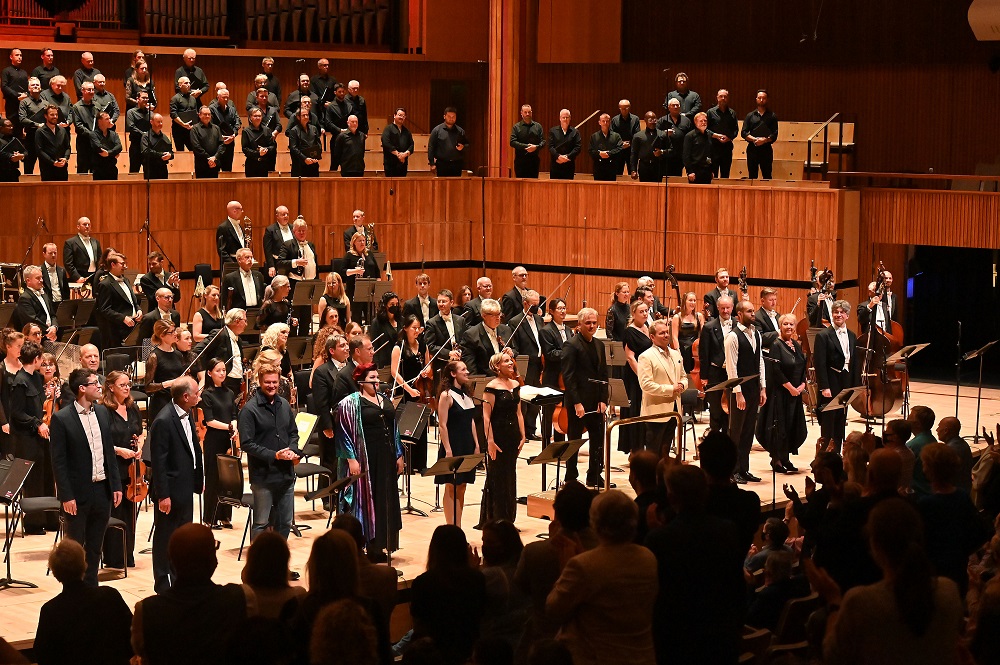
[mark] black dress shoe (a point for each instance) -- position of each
(751, 478)
(293, 575)
(778, 467)
(789, 467)
(34, 531)
(533, 437)
(739, 479)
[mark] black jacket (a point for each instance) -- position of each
(552, 348)
(234, 281)
(62, 278)
(175, 474)
(478, 350)
(150, 284)
(30, 310)
(586, 381)
(72, 461)
(412, 306)
(273, 240)
(291, 251)
(75, 257)
(265, 428)
(227, 243)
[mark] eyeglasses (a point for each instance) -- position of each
(123, 385)
(92, 383)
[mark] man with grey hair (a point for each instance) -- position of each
(226, 344)
(34, 305)
(585, 373)
(229, 234)
(626, 125)
(675, 125)
(276, 235)
(244, 287)
(565, 144)
(605, 146)
(86, 72)
(512, 302)
(182, 104)
(484, 290)
(195, 76)
(646, 282)
(837, 367)
(486, 339)
(358, 105)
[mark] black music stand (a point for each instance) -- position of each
(305, 296)
(10, 489)
(75, 313)
(364, 293)
(330, 490)
(842, 399)
(299, 351)
(904, 355)
(411, 422)
(557, 452)
(978, 353)
(453, 466)
(727, 384)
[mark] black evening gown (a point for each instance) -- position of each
(616, 320)
(273, 312)
(6, 440)
(500, 491)
(122, 431)
(383, 334)
(216, 404)
(359, 310)
(209, 323)
(687, 334)
(632, 437)
(459, 436)
(409, 368)
(380, 447)
(169, 365)
(781, 425)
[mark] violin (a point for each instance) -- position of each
(53, 391)
(137, 487)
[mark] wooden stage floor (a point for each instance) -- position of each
(19, 608)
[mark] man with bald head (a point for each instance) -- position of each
(85, 74)
(358, 224)
(605, 146)
(626, 125)
(565, 144)
(229, 236)
(712, 354)
(276, 235)
(182, 107)
(156, 149)
(162, 310)
(723, 128)
(348, 152)
(225, 117)
(484, 291)
(358, 105)
(81, 253)
(675, 125)
(194, 74)
(104, 100)
(949, 432)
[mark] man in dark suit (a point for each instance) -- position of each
(361, 353)
(358, 226)
(276, 235)
(164, 311)
(554, 336)
(445, 329)
(54, 274)
(512, 302)
(322, 404)
(721, 289)
(745, 358)
(712, 355)
(226, 344)
(299, 260)
(243, 288)
(484, 287)
(876, 310)
(178, 473)
(527, 327)
(836, 368)
(85, 467)
(158, 278)
(81, 253)
(117, 305)
(767, 316)
(421, 305)
(819, 302)
(486, 339)
(34, 306)
(585, 373)
(229, 235)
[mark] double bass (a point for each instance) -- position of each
(884, 384)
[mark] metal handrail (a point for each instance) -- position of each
(629, 421)
(825, 128)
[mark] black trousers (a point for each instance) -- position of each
(718, 420)
(40, 480)
(53, 173)
(88, 525)
(134, 155)
(702, 175)
(549, 433)
(216, 443)
(448, 168)
(762, 158)
(527, 166)
(594, 424)
(673, 165)
(620, 162)
(181, 137)
(30, 155)
(649, 171)
(743, 424)
(114, 557)
(105, 172)
(226, 161)
(832, 424)
(532, 377)
(604, 170)
(394, 168)
(84, 155)
(164, 525)
(304, 170)
(562, 171)
(660, 437)
(722, 160)
(203, 170)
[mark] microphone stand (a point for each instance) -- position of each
(958, 369)
(39, 225)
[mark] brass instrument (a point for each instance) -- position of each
(371, 242)
(247, 227)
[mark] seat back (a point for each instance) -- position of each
(230, 479)
(792, 624)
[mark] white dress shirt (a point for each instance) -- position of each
(492, 334)
(249, 288)
(286, 232)
(449, 323)
(128, 293)
(425, 307)
(88, 245)
(732, 343)
(40, 294)
(234, 348)
(845, 344)
(239, 231)
(94, 439)
(54, 281)
(186, 426)
(307, 254)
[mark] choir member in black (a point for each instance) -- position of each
(164, 365)
(184, 102)
(554, 335)
(31, 433)
(84, 115)
(56, 96)
(689, 100)
(445, 146)
(605, 146)
(320, 83)
(258, 146)
(11, 342)
(45, 71)
(348, 152)
(385, 330)
(271, 82)
(456, 411)
(675, 125)
(156, 149)
(648, 149)
(12, 152)
(294, 101)
(264, 101)
(368, 444)
(117, 305)
(636, 340)
(105, 148)
(616, 320)
(218, 407)
(585, 374)
(138, 82)
(276, 235)
(723, 128)
(208, 146)
(721, 289)
(31, 118)
(685, 328)
(698, 152)
(760, 131)
(767, 317)
(334, 117)
(712, 358)
(126, 435)
(275, 308)
(14, 82)
(86, 72)
(837, 367)
(225, 117)
(781, 425)
(527, 138)
(359, 106)
(137, 125)
(408, 363)
(397, 146)
(304, 146)
(745, 358)
(503, 423)
(104, 100)
(335, 297)
(209, 317)
(137, 55)
(359, 262)
(565, 144)
(626, 125)
(52, 147)
(526, 328)
(193, 73)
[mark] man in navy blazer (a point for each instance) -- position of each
(85, 467)
(178, 474)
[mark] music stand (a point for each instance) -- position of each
(978, 353)
(299, 351)
(305, 296)
(558, 452)
(521, 361)
(83, 335)
(411, 422)
(11, 486)
(133, 337)
(333, 488)
(842, 399)
(379, 260)
(453, 466)
(904, 355)
(726, 385)
(364, 293)
(6, 313)
(615, 352)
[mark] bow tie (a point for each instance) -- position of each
(182, 416)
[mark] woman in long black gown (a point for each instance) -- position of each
(504, 426)
(358, 262)
(164, 365)
(636, 340)
(126, 430)
(408, 358)
(781, 425)
(616, 319)
(685, 328)
(456, 411)
(218, 407)
(10, 343)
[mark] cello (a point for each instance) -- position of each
(883, 383)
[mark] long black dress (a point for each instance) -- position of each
(217, 403)
(460, 416)
(781, 425)
(500, 491)
(359, 311)
(382, 470)
(616, 320)
(409, 368)
(275, 311)
(687, 334)
(27, 395)
(383, 334)
(209, 323)
(169, 365)
(122, 430)
(632, 437)
(6, 377)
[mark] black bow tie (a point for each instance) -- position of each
(182, 416)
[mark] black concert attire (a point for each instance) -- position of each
(674, 162)
(512, 304)
(643, 159)
(273, 85)
(334, 118)
(348, 154)
(84, 117)
(6, 387)
(711, 300)
(209, 323)
(252, 140)
(604, 167)
(443, 152)
(30, 116)
(27, 396)
(136, 126)
(882, 313)
(626, 127)
(690, 102)
(229, 239)
(52, 145)
(761, 126)
(45, 74)
(359, 108)
(835, 371)
(438, 333)
(180, 103)
(275, 311)
(160, 367)
(122, 431)
(303, 140)
(178, 474)
(698, 156)
(295, 249)
(724, 123)
(206, 143)
(236, 289)
(568, 143)
(35, 307)
(227, 345)
(55, 275)
(132, 90)
(398, 139)
(781, 424)
(105, 102)
(553, 338)
(744, 357)
(585, 373)
(687, 333)
(523, 135)
(105, 168)
(616, 320)
(500, 488)
(322, 402)
(470, 311)
(818, 311)
(197, 77)
(383, 330)
(63, 101)
(151, 283)
(217, 403)
(527, 341)
(410, 365)
(10, 170)
(414, 306)
(113, 306)
(769, 328)
(712, 357)
(77, 259)
(150, 318)
(228, 122)
(320, 83)
(272, 100)
(633, 437)
(359, 311)
(154, 146)
(480, 346)
(81, 76)
(294, 101)
(13, 82)
(461, 416)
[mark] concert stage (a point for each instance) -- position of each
(19, 608)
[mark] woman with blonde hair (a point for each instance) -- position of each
(210, 317)
(358, 262)
(617, 317)
(685, 327)
(276, 338)
(335, 296)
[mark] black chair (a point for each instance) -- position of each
(119, 525)
(204, 271)
(231, 492)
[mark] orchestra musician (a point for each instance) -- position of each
(244, 288)
(163, 367)
(407, 360)
(767, 316)
(636, 340)
(421, 305)
(484, 289)
(819, 304)
(721, 289)
(712, 356)
(118, 309)
(321, 401)
(875, 309)
(229, 235)
(528, 343)
(446, 329)
(781, 424)
(487, 339)
(227, 344)
(209, 317)
(276, 235)
(745, 358)
(55, 280)
(81, 253)
(617, 318)
(30, 431)
(585, 373)
(158, 278)
(553, 336)
(126, 437)
(685, 329)
(837, 367)
(34, 306)
(503, 423)
(164, 311)
(456, 412)
(358, 262)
